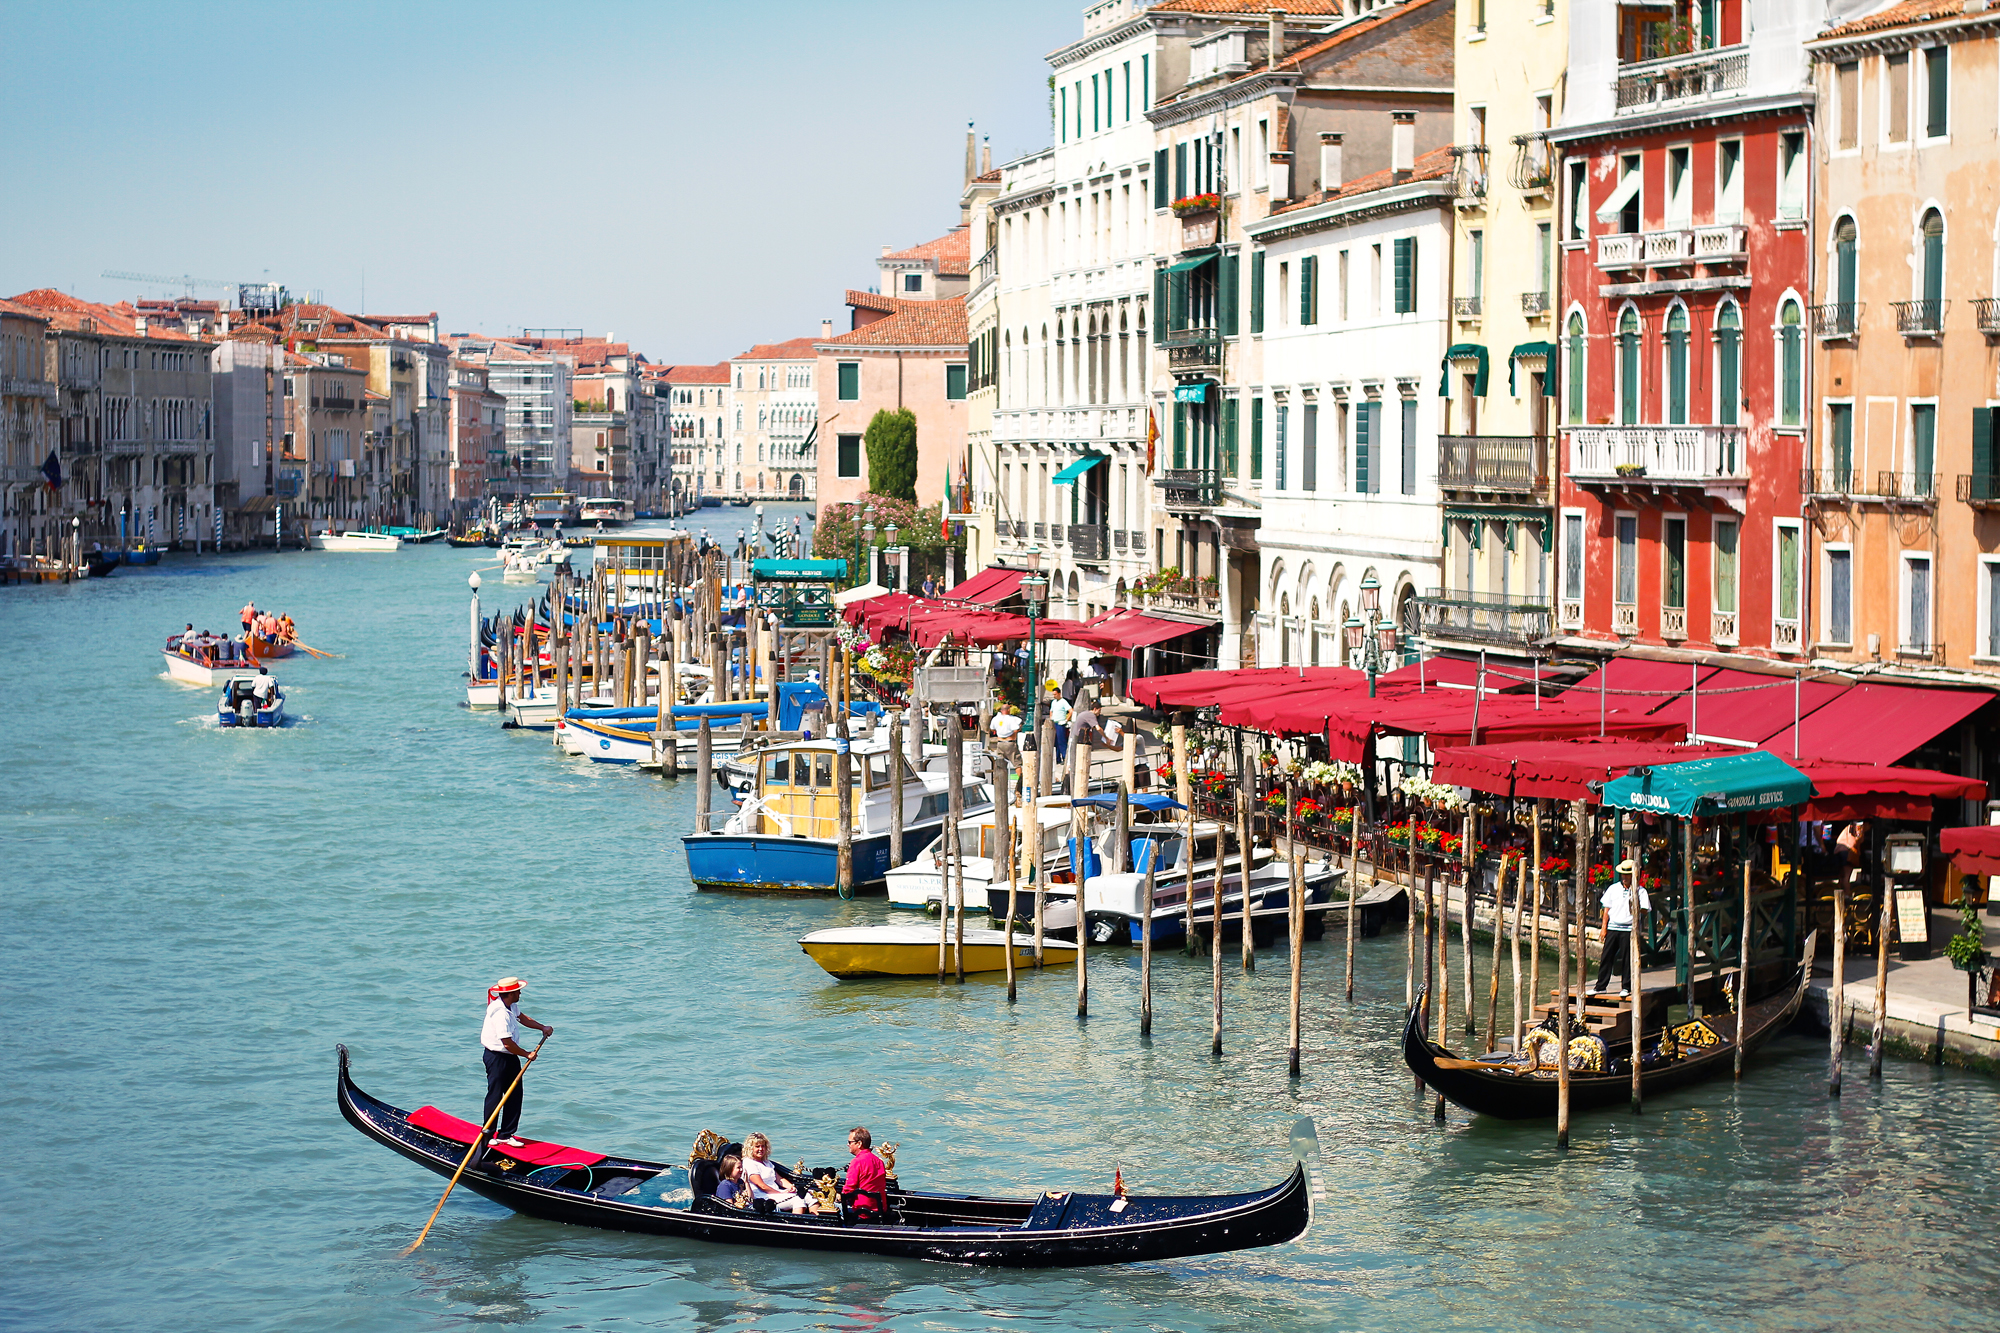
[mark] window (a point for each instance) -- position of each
(1160, 199)
(1409, 446)
(1723, 560)
(847, 455)
(1923, 449)
(1628, 367)
(1680, 186)
(1787, 607)
(1257, 438)
(1840, 446)
(913, 282)
(1839, 627)
(1477, 242)
(1180, 171)
(1572, 545)
(1792, 174)
(1917, 603)
(1847, 93)
(1991, 607)
(1626, 581)
(1677, 365)
(1544, 260)
(850, 382)
(1931, 261)
(1845, 276)
(1673, 568)
(1406, 274)
(1573, 373)
(1367, 478)
(1579, 200)
(1094, 126)
(1284, 415)
(1728, 363)
(1631, 186)
(954, 382)
(1309, 447)
(1791, 367)
(1729, 181)
(1896, 85)
(1257, 291)
(1937, 92)
(1309, 289)
(1340, 286)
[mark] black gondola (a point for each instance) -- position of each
(1498, 1086)
(1053, 1230)
(100, 564)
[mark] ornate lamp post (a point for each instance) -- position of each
(1376, 639)
(1034, 592)
(864, 536)
(894, 555)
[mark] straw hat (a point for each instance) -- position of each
(506, 984)
(1628, 866)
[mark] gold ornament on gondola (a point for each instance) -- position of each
(1586, 1054)
(887, 1152)
(707, 1145)
(826, 1193)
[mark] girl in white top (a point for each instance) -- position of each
(762, 1174)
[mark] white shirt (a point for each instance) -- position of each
(1618, 902)
(262, 687)
(503, 1024)
(1005, 725)
(763, 1178)
(1059, 711)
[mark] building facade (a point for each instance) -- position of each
(773, 409)
(904, 355)
(698, 398)
(27, 395)
(249, 424)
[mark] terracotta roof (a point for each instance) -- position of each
(1248, 10)
(952, 252)
(915, 324)
(715, 374)
(1348, 32)
(992, 175)
(1434, 165)
(251, 333)
(26, 312)
(1899, 15)
(793, 349)
(870, 301)
(68, 312)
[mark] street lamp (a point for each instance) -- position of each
(895, 557)
(1034, 592)
(1375, 640)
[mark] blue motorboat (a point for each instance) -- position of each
(251, 701)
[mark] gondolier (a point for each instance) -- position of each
(503, 1054)
(1615, 922)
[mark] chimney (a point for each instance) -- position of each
(610, 337)
(1274, 39)
(1281, 176)
(971, 154)
(1329, 161)
(885, 252)
(1402, 143)
(985, 154)
(826, 328)
(139, 325)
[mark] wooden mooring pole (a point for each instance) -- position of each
(895, 788)
(1215, 933)
(1003, 849)
(1243, 858)
(1353, 889)
(1742, 967)
(1836, 991)
(1468, 861)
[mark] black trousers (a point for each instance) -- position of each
(501, 1067)
(1614, 965)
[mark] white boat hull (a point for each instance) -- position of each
(483, 698)
(354, 541)
(189, 672)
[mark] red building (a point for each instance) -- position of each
(1685, 262)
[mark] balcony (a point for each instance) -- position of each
(1912, 487)
(1727, 243)
(1986, 314)
(1981, 490)
(1090, 541)
(1468, 179)
(987, 269)
(1189, 488)
(1625, 618)
(1530, 173)
(1673, 622)
(1191, 349)
(1650, 84)
(1622, 249)
(1534, 304)
(1831, 323)
(1465, 307)
(1484, 618)
(1919, 319)
(1659, 455)
(1668, 249)
(1518, 464)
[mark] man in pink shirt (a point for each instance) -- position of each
(866, 1187)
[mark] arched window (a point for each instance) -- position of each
(1728, 363)
(1791, 364)
(1844, 275)
(1575, 368)
(1677, 365)
(1933, 265)
(1628, 367)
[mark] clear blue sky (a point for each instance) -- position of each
(692, 178)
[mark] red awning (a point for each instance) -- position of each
(989, 586)
(1557, 770)
(877, 610)
(1202, 689)
(1975, 850)
(1122, 631)
(1287, 707)
(1873, 791)
(1456, 672)
(1745, 708)
(1445, 718)
(1875, 723)
(966, 626)
(1638, 684)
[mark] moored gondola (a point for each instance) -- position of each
(1513, 1087)
(1055, 1229)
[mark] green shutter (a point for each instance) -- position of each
(1406, 274)
(1840, 423)
(1160, 199)
(1983, 461)
(1937, 73)
(954, 382)
(1226, 297)
(1934, 261)
(1308, 301)
(1363, 444)
(1177, 300)
(1229, 437)
(1159, 299)
(850, 381)
(1180, 171)
(1180, 433)
(1257, 291)
(1257, 439)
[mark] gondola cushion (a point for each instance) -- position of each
(433, 1121)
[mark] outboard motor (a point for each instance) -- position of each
(246, 713)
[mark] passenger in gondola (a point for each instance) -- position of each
(765, 1182)
(866, 1189)
(730, 1187)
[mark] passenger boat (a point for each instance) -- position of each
(612, 513)
(239, 708)
(783, 837)
(1049, 1229)
(354, 541)
(1521, 1085)
(471, 537)
(205, 661)
(856, 952)
(266, 648)
(625, 735)
(139, 555)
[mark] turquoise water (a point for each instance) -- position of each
(193, 917)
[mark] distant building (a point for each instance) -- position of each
(537, 387)
(901, 354)
(933, 271)
(774, 409)
(698, 397)
(249, 424)
(27, 397)
(321, 460)
(478, 434)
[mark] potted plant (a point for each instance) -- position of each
(1631, 469)
(1197, 203)
(1966, 949)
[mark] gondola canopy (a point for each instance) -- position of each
(1722, 785)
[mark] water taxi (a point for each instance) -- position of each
(918, 884)
(239, 706)
(205, 659)
(612, 513)
(783, 839)
(354, 541)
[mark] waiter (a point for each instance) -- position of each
(501, 1037)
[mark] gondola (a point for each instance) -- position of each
(1055, 1229)
(1499, 1086)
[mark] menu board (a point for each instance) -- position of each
(1913, 923)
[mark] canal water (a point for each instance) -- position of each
(193, 917)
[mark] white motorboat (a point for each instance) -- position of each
(354, 541)
(206, 659)
(240, 706)
(919, 883)
(854, 952)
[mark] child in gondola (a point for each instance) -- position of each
(731, 1187)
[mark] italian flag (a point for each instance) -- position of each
(946, 512)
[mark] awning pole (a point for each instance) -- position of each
(1603, 680)
(1795, 712)
(1694, 702)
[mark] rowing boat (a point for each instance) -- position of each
(1052, 1229)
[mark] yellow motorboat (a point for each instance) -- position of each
(853, 952)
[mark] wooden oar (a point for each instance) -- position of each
(484, 1130)
(314, 651)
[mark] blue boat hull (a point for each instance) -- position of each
(766, 863)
